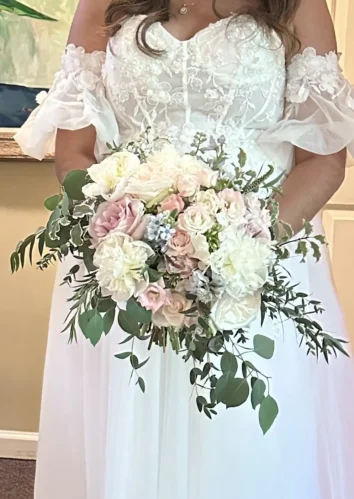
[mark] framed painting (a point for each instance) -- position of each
(33, 36)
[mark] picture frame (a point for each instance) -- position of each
(11, 151)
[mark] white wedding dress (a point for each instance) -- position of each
(101, 438)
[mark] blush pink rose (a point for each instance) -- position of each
(170, 314)
(125, 215)
(182, 265)
(173, 202)
(179, 244)
(155, 297)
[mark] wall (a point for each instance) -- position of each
(24, 297)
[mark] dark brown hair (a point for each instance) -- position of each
(269, 14)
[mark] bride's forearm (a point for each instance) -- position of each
(308, 188)
(74, 151)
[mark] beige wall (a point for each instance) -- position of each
(24, 297)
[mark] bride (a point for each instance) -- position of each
(265, 74)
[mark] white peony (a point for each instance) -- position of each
(120, 260)
(242, 262)
(111, 175)
(229, 314)
(210, 200)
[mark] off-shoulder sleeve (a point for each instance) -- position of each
(76, 100)
(319, 106)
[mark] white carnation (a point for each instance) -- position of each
(120, 260)
(229, 314)
(112, 174)
(242, 262)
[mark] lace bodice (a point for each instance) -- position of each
(227, 84)
(230, 79)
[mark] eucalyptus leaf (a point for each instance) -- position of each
(52, 202)
(105, 304)
(228, 363)
(258, 391)
(128, 323)
(268, 412)
(141, 384)
(138, 312)
(123, 355)
(154, 275)
(134, 361)
(73, 184)
(263, 346)
(108, 320)
(91, 324)
(237, 392)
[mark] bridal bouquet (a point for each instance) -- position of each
(183, 250)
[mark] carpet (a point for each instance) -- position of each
(16, 479)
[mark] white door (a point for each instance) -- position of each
(338, 215)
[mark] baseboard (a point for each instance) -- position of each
(18, 445)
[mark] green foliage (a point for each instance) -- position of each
(263, 346)
(73, 184)
(268, 412)
(20, 9)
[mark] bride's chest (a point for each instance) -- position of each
(238, 71)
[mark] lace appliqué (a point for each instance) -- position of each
(309, 72)
(82, 67)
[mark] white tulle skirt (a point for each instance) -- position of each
(101, 438)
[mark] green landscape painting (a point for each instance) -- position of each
(33, 35)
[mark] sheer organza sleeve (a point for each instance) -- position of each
(319, 106)
(76, 100)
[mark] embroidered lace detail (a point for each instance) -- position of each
(309, 72)
(85, 68)
(228, 76)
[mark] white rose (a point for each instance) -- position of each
(200, 248)
(149, 180)
(196, 219)
(112, 174)
(242, 262)
(229, 314)
(209, 199)
(120, 260)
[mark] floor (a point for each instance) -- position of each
(16, 479)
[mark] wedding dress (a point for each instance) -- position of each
(101, 438)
